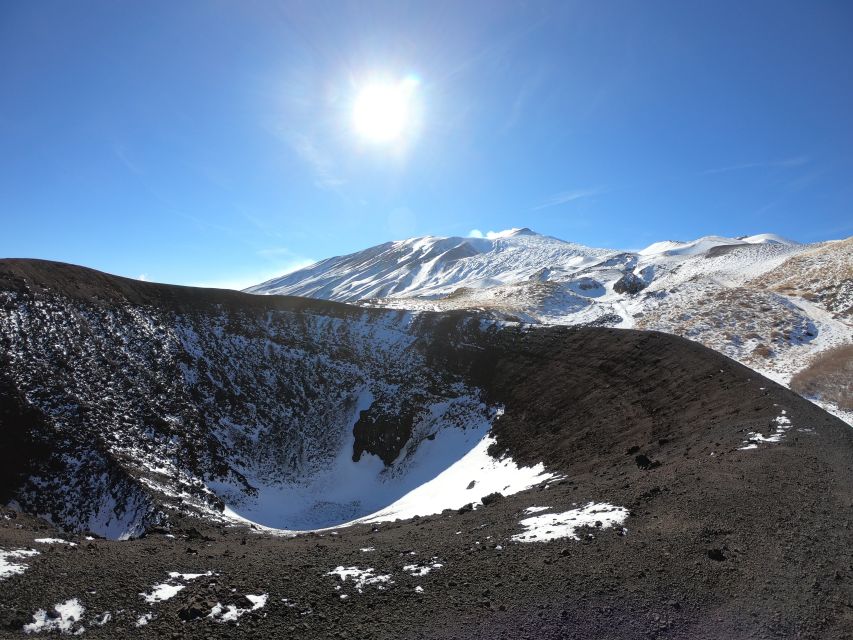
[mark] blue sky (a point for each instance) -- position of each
(212, 142)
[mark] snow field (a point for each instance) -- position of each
(554, 526)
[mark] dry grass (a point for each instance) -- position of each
(823, 276)
(762, 351)
(828, 377)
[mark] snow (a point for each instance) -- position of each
(188, 576)
(429, 480)
(432, 266)
(701, 245)
(361, 578)
(162, 592)
(10, 568)
(168, 590)
(367, 549)
(104, 618)
(554, 526)
(419, 570)
(419, 589)
(769, 238)
(55, 541)
(144, 619)
(534, 509)
(230, 613)
(449, 489)
(69, 613)
(783, 424)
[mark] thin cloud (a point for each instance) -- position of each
(276, 252)
(797, 161)
(489, 235)
(522, 99)
(143, 277)
(320, 162)
(123, 156)
(495, 50)
(565, 197)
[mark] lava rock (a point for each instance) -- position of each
(716, 555)
(491, 498)
(644, 462)
(629, 283)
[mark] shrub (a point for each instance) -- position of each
(828, 377)
(762, 350)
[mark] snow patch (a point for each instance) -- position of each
(144, 619)
(162, 592)
(448, 490)
(68, 614)
(174, 575)
(103, 619)
(55, 541)
(10, 568)
(361, 578)
(230, 613)
(783, 424)
(419, 570)
(554, 526)
(535, 509)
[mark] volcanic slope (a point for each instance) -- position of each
(769, 303)
(680, 494)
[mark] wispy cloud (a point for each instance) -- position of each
(491, 235)
(495, 50)
(143, 277)
(522, 99)
(797, 161)
(123, 155)
(276, 252)
(321, 163)
(565, 197)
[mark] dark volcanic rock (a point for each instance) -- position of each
(716, 554)
(629, 283)
(644, 462)
(491, 498)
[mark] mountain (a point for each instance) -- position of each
(162, 446)
(726, 293)
(432, 266)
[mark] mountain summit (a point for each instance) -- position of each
(433, 266)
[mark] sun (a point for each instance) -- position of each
(384, 112)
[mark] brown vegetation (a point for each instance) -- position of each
(829, 377)
(762, 351)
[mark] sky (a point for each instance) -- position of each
(217, 143)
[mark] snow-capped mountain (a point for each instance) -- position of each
(726, 293)
(434, 266)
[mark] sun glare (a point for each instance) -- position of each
(383, 111)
